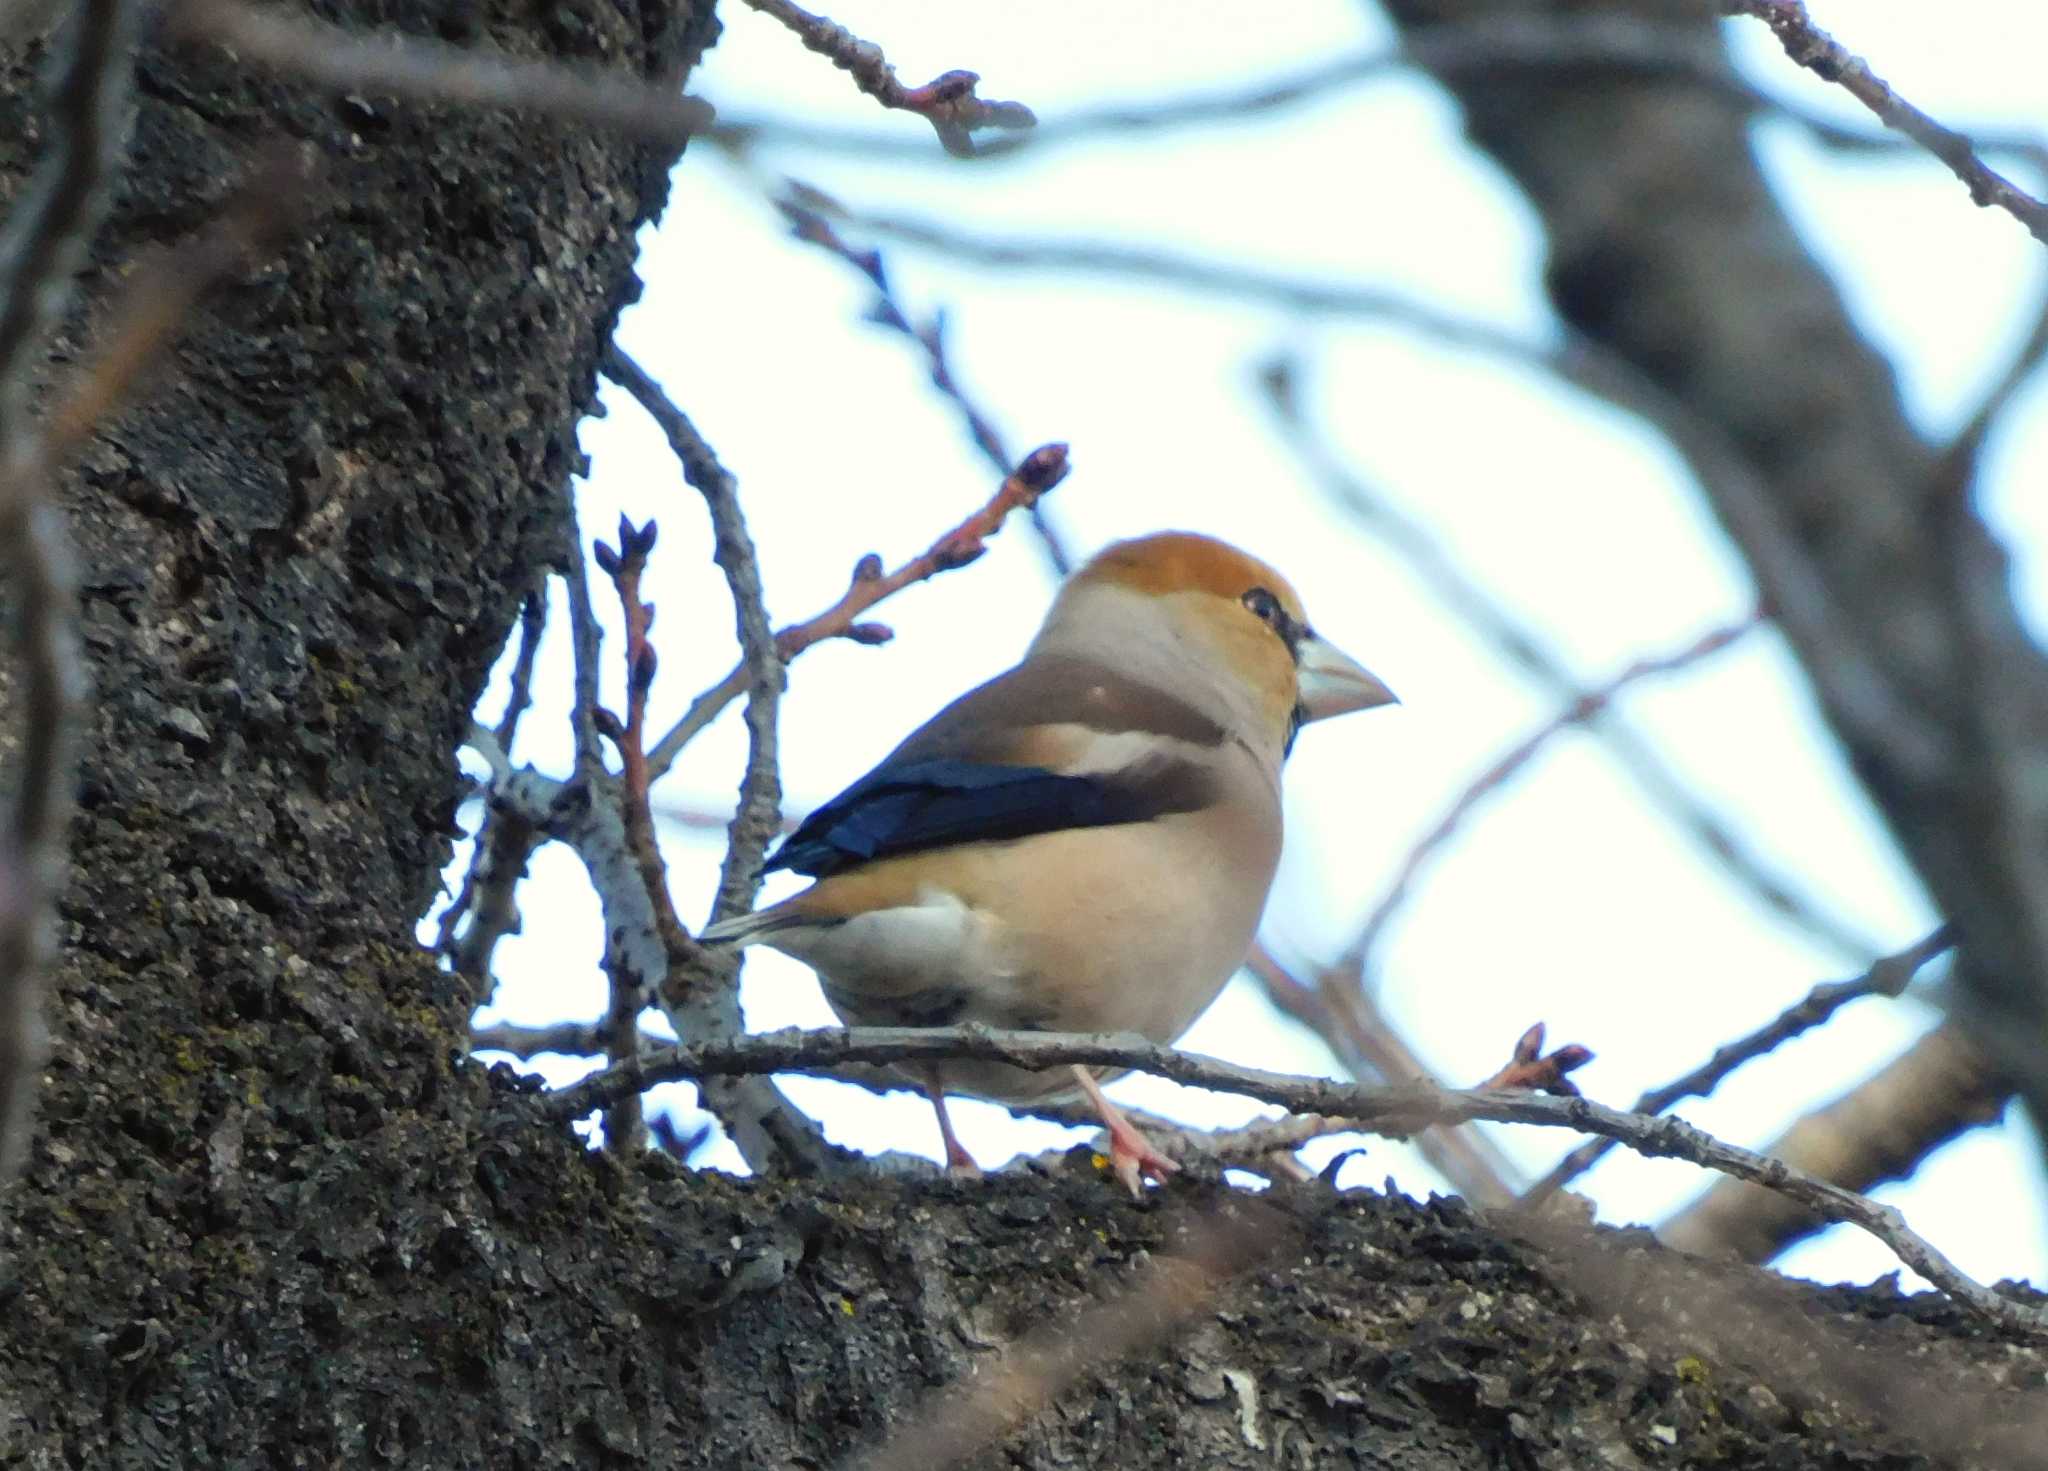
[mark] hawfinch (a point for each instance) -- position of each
(1083, 844)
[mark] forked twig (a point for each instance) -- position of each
(1037, 473)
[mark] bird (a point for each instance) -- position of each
(1083, 843)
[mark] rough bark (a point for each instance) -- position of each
(273, 1217)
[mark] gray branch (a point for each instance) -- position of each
(1393, 1110)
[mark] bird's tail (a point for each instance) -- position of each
(746, 929)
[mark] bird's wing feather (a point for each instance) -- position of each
(1053, 744)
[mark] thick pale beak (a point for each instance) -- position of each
(1333, 683)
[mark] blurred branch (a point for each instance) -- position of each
(1957, 469)
(888, 311)
(1675, 1309)
(1493, 46)
(1178, 1280)
(416, 69)
(570, 1039)
(1850, 677)
(1347, 1019)
(1521, 647)
(1882, 1129)
(42, 246)
(1583, 708)
(1037, 473)
(1887, 583)
(947, 101)
(1396, 1110)
(1824, 56)
(1889, 977)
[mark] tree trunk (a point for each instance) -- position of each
(273, 1217)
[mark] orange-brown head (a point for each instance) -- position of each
(1181, 605)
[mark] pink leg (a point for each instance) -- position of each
(1131, 1154)
(957, 1157)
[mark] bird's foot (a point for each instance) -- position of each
(1134, 1158)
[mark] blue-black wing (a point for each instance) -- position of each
(944, 786)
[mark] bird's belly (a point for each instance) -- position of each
(1098, 930)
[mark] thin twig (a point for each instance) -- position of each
(700, 992)
(633, 986)
(1882, 1129)
(1523, 648)
(489, 896)
(533, 617)
(505, 840)
(889, 312)
(1394, 1110)
(584, 637)
(1957, 467)
(1849, 677)
(571, 1039)
(758, 818)
(420, 70)
(1889, 977)
(1499, 46)
(1824, 56)
(1347, 1018)
(947, 101)
(42, 246)
(1582, 709)
(1036, 474)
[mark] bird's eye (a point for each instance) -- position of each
(1265, 607)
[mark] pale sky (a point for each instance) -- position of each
(1567, 900)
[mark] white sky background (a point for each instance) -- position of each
(1566, 900)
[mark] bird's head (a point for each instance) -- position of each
(1212, 623)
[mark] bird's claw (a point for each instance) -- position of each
(1133, 1159)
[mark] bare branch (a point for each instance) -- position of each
(633, 986)
(888, 311)
(1583, 708)
(758, 819)
(1889, 977)
(947, 101)
(42, 246)
(1523, 648)
(699, 989)
(1396, 1110)
(533, 616)
(1850, 676)
(1879, 1130)
(1036, 474)
(571, 1039)
(700, 994)
(489, 896)
(1958, 464)
(421, 70)
(1497, 47)
(1349, 1022)
(1824, 56)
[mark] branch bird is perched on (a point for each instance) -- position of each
(1083, 844)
